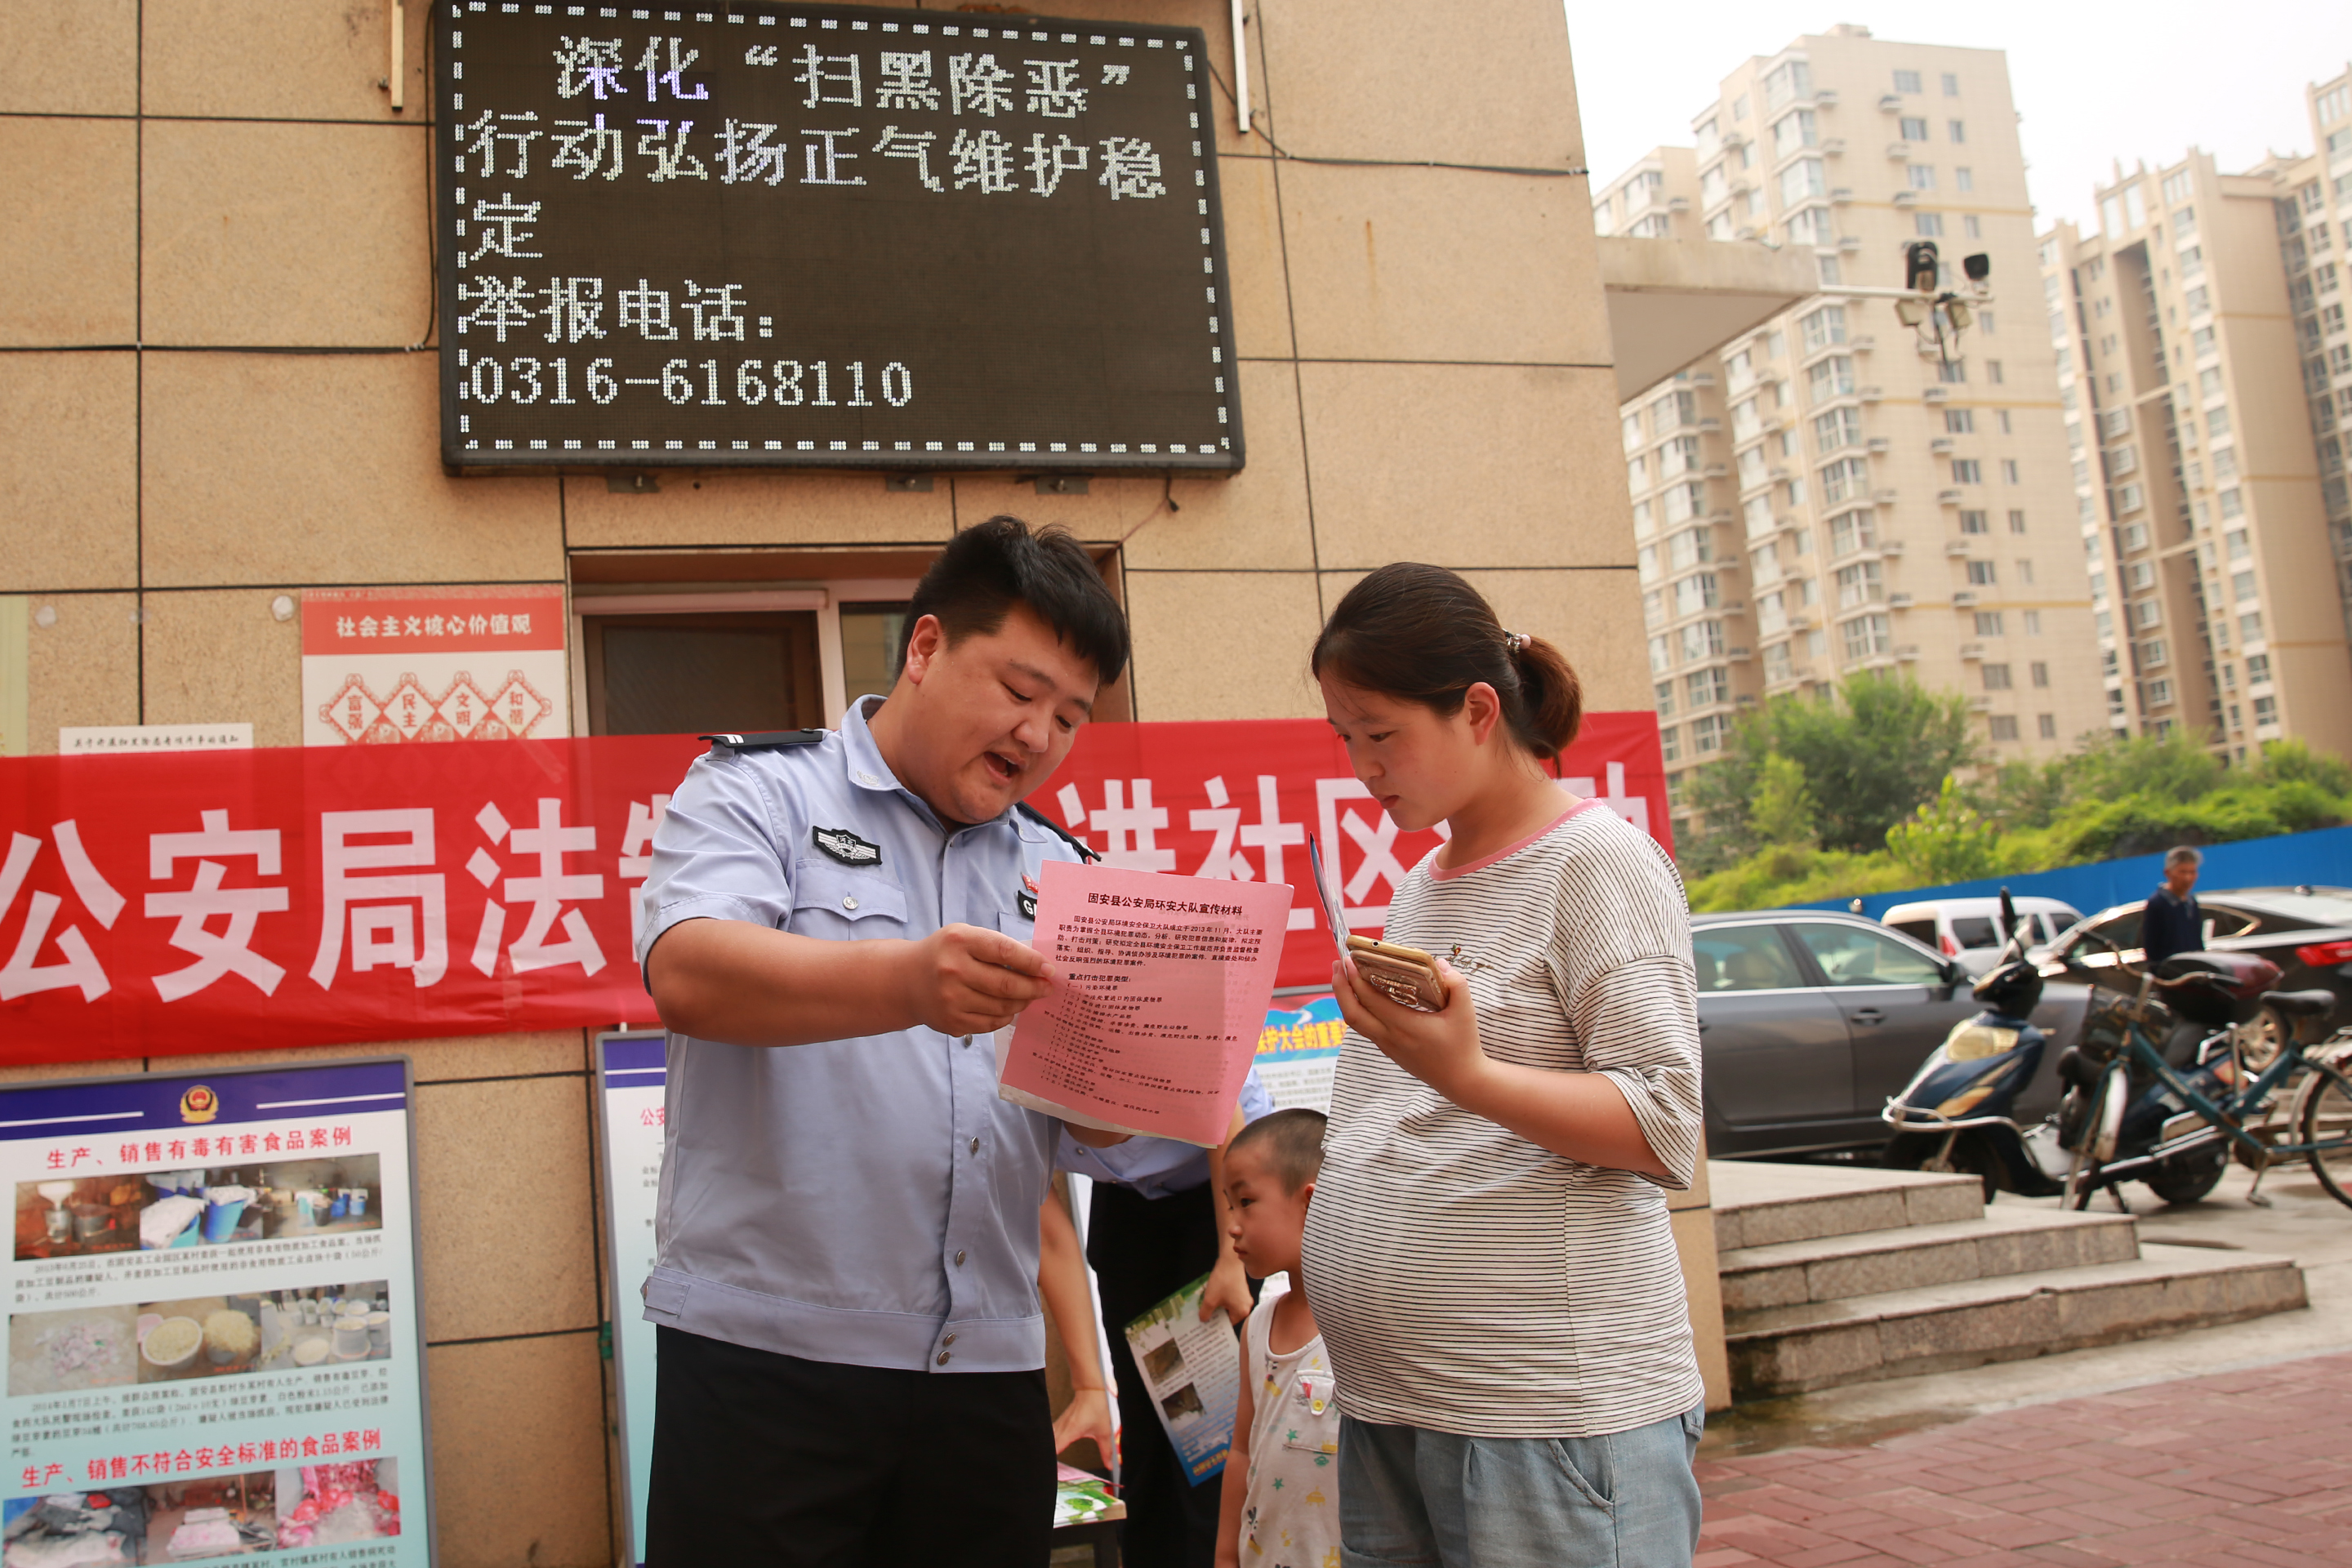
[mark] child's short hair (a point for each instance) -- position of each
(1293, 1144)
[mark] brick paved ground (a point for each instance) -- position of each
(2250, 1469)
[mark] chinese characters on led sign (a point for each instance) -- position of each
(828, 236)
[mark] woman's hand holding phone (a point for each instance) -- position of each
(1441, 1048)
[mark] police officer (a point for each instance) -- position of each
(851, 1350)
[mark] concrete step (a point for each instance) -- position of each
(1761, 1204)
(1913, 1256)
(2011, 1317)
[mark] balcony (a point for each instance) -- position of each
(1906, 198)
(1941, 445)
(1965, 599)
(1936, 394)
(1890, 103)
(1948, 498)
(1825, 98)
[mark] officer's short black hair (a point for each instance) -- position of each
(986, 570)
(1289, 1141)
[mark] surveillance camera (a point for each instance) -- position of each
(1919, 266)
(1978, 267)
(1910, 312)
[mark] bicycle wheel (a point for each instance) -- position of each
(2327, 1116)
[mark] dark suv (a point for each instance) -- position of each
(1810, 1021)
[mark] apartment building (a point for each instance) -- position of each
(1829, 493)
(2206, 371)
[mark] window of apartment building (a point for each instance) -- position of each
(2000, 726)
(1771, 612)
(1859, 583)
(1695, 593)
(2184, 224)
(1839, 428)
(1794, 494)
(1801, 180)
(1750, 466)
(2209, 382)
(1960, 131)
(1983, 574)
(1866, 636)
(1663, 693)
(2046, 726)
(1825, 266)
(1702, 639)
(1708, 734)
(2135, 206)
(1833, 377)
(1959, 421)
(1913, 129)
(1906, 81)
(1928, 225)
(1811, 225)
(1645, 562)
(1720, 227)
(1684, 501)
(1965, 179)
(1644, 518)
(2225, 464)
(2200, 342)
(2009, 471)
(2038, 673)
(1823, 328)
(2217, 423)
(1738, 369)
(2156, 694)
(1988, 623)
(2025, 572)
(1765, 563)
(2324, 277)
(2192, 261)
(2175, 186)
(1674, 411)
(657, 673)
(1973, 522)
(2331, 318)
(2241, 587)
(1707, 687)
(2249, 628)
(1757, 511)
(1970, 226)
(1661, 655)
(1921, 176)
(1739, 107)
(1951, 85)
(2334, 105)
(1642, 189)
(1993, 371)
(1631, 427)
(2235, 541)
(1792, 131)
(2034, 623)
(1690, 547)
(1851, 531)
(2134, 537)
(2139, 576)
(1996, 677)
(2016, 520)
(1952, 372)
(1966, 471)
(2258, 668)
(2153, 654)
(1846, 477)
(1670, 747)
(1654, 607)
(2265, 710)
(1990, 328)
(1679, 455)
(2200, 300)
(2233, 502)
(1786, 82)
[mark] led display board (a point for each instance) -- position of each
(828, 236)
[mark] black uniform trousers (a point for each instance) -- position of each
(1142, 1249)
(771, 1459)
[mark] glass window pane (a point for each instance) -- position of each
(693, 674)
(873, 646)
(1743, 958)
(1852, 955)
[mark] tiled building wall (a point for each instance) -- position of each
(218, 276)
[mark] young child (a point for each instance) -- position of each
(1280, 1505)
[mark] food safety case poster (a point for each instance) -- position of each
(632, 1073)
(215, 1346)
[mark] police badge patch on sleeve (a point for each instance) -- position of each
(1028, 902)
(846, 847)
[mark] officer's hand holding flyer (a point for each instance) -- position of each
(1164, 987)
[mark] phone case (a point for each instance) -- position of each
(1406, 983)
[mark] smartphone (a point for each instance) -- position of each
(1405, 975)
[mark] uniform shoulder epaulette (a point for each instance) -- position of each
(1086, 851)
(766, 740)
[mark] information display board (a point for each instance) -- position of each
(216, 1347)
(632, 1073)
(828, 236)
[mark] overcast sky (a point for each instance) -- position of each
(2096, 82)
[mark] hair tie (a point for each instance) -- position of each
(1516, 642)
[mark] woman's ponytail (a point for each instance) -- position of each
(1551, 706)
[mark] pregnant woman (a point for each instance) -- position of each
(1489, 1247)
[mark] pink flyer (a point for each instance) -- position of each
(1165, 986)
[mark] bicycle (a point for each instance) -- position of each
(2121, 1047)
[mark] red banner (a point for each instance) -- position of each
(239, 900)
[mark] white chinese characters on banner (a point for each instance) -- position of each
(77, 967)
(388, 665)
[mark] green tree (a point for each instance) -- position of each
(1781, 810)
(1945, 840)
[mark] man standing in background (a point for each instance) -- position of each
(2173, 924)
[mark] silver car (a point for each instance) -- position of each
(1810, 1020)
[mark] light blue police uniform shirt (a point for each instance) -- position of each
(867, 1200)
(1155, 1167)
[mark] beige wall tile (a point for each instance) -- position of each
(1211, 645)
(69, 56)
(325, 469)
(1594, 616)
(1255, 519)
(69, 483)
(284, 235)
(39, 1072)
(84, 667)
(1437, 264)
(1255, 259)
(519, 1454)
(323, 61)
(68, 249)
(503, 1208)
(431, 1061)
(222, 657)
(1465, 465)
(1388, 82)
(719, 509)
(1694, 1242)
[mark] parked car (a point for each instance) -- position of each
(1968, 929)
(2305, 931)
(1809, 1021)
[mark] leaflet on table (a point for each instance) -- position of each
(632, 1070)
(1193, 1370)
(1164, 986)
(213, 1335)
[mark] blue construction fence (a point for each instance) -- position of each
(2290, 859)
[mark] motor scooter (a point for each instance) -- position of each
(1956, 1113)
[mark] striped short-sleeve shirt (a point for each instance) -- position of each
(1470, 1281)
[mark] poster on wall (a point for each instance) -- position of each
(631, 1071)
(216, 1347)
(1298, 1051)
(383, 666)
